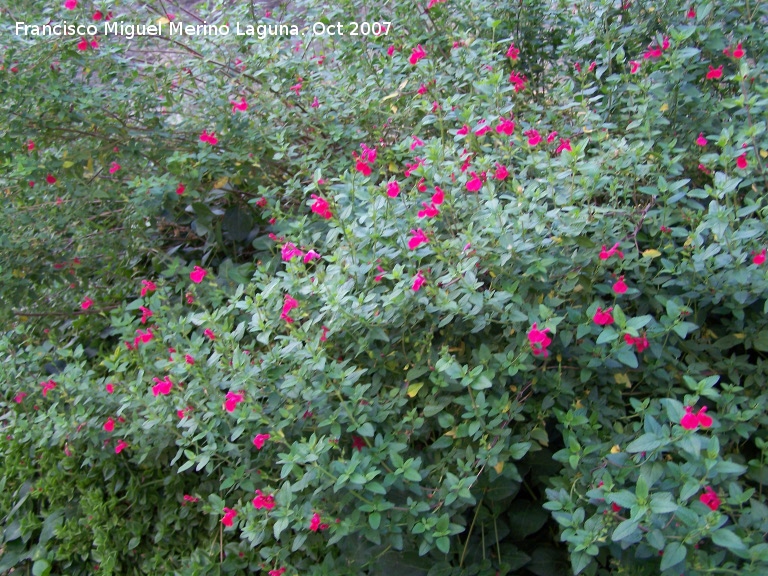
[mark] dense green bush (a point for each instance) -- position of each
(484, 294)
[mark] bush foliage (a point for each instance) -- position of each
(483, 294)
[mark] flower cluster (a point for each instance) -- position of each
(539, 340)
(691, 421)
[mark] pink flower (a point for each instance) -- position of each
(82, 45)
(738, 52)
(87, 303)
(481, 128)
(180, 189)
(145, 314)
(70, 4)
(288, 305)
(296, 88)
(741, 161)
(501, 172)
(19, 397)
(229, 515)
(363, 168)
(704, 169)
(109, 425)
(315, 523)
(418, 281)
(438, 196)
(634, 66)
(619, 286)
(641, 342)
(320, 207)
(242, 106)
(463, 131)
(518, 80)
(605, 254)
(122, 445)
(391, 50)
(551, 137)
(189, 359)
(311, 255)
(188, 498)
(577, 66)
(289, 251)
(759, 258)
(278, 572)
(262, 501)
(704, 420)
(701, 141)
(715, 73)
(209, 138)
(652, 52)
(393, 189)
(197, 275)
(259, 440)
(505, 127)
(380, 276)
(30, 145)
(565, 144)
(114, 167)
(233, 399)
(110, 388)
(324, 335)
(162, 386)
(147, 286)
(209, 334)
(603, 317)
(142, 337)
(417, 54)
(533, 137)
(710, 499)
(691, 13)
(592, 66)
(691, 421)
(98, 15)
(417, 142)
(417, 239)
(315, 103)
(50, 179)
(430, 211)
(539, 340)
(420, 186)
(512, 52)
(475, 183)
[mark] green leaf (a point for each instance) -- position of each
(579, 561)
(674, 554)
(728, 540)
(237, 223)
(443, 544)
(41, 568)
(627, 357)
(641, 489)
(134, 542)
(607, 335)
(662, 503)
(374, 520)
(645, 443)
(625, 529)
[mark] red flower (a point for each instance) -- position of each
(741, 161)
(652, 52)
(87, 303)
(114, 167)
(19, 397)
(619, 286)
(605, 254)
(320, 207)
(551, 137)
(710, 499)
(315, 523)
(691, 13)
(518, 81)
(759, 258)
(417, 142)
(233, 399)
(418, 282)
(363, 168)
(501, 172)
(463, 131)
(634, 66)
(715, 73)
(278, 572)
(315, 103)
(296, 88)
(162, 386)
(420, 186)
(505, 127)
(417, 54)
(188, 498)
(324, 335)
(229, 515)
(475, 183)
(110, 388)
(109, 425)
(393, 189)
(189, 359)
(430, 211)
(539, 340)
(615, 507)
(122, 445)
(603, 317)
(197, 274)
(380, 276)
(565, 144)
(147, 286)
(704, 420)
(701, 141)
(512, 52)
(98, 15)
(438, 196)
(359, 443)
(145, 314)
(209, 334)
(180, 189)
(70, 4)
(259, 440)
(30, 145)
(242, 106)
(482, 128)
(288, 304)
(417, 239)
(262, 501)
(391, 50)
(209, 138)
(533, 137)
(50, 179)
(738, 52)
(311, 255)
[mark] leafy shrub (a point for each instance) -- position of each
(429, 300)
